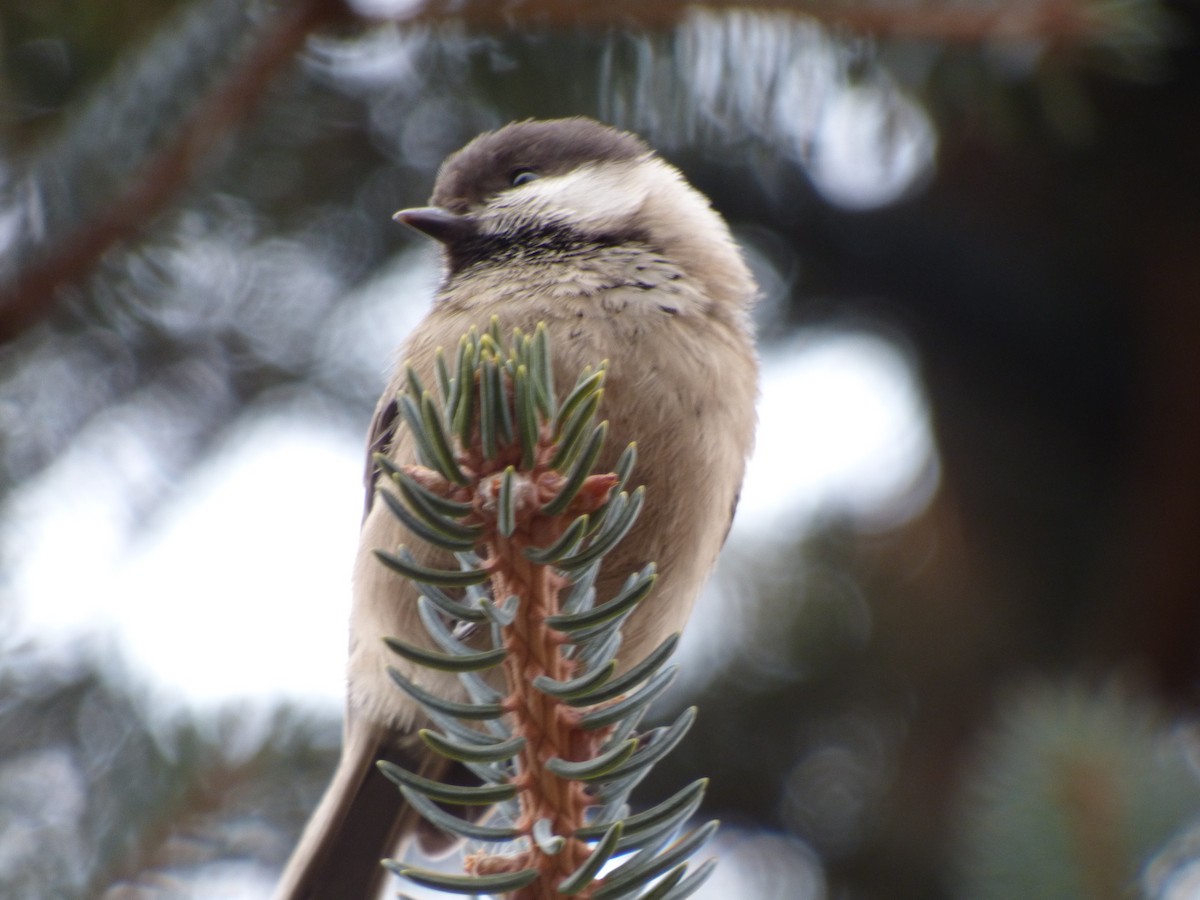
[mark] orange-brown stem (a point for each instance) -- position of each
(550, 727)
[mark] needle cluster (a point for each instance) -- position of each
(506, 484)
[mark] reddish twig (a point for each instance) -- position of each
(550, 726)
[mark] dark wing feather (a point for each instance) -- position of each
(379, 440)
(732, 512)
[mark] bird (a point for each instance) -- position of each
(583, 227)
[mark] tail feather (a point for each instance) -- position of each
(361, 819)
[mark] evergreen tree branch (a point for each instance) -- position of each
(563, 752)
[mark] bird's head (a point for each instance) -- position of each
(559, 185)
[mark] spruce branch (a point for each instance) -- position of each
(506, 483)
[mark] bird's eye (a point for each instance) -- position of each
(522, 176)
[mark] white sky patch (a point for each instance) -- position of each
(245, 588)
(873, 146)
(386, 8)
(763, 865)
(240, 590)
(843, 426)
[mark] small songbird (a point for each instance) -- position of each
(583, 227)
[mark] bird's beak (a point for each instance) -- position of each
(440, 224)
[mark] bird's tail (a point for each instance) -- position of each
(361, 819)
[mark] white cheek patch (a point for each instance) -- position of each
(595, 197)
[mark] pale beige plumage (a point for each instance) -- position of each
(623, 261)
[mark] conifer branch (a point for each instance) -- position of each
(507, 484)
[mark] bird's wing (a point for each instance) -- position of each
(379, 440)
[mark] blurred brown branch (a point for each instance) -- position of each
(183, 835)
(1054, 21)
(28, 297)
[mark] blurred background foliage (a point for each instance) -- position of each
(980, 683)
